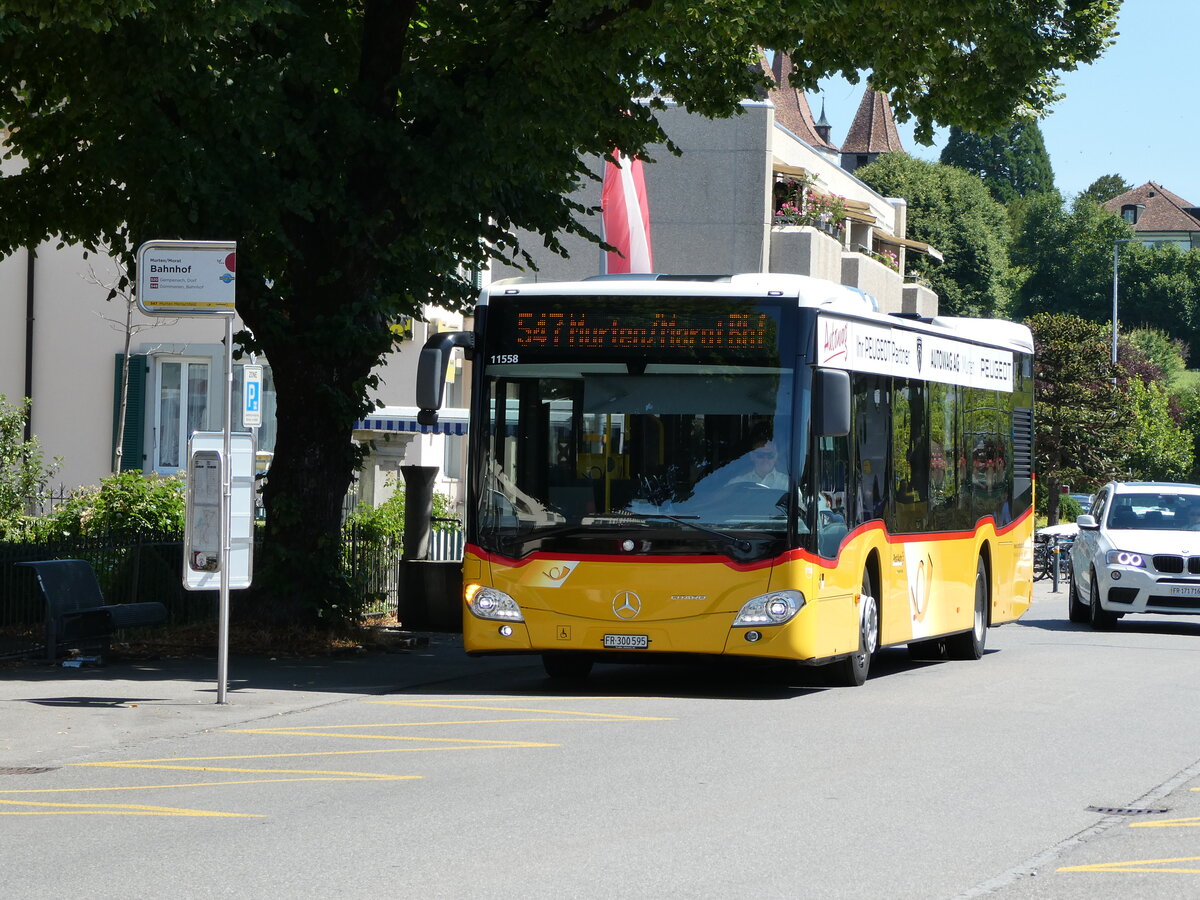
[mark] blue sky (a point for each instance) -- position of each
(1131, 113)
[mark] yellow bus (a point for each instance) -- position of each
(757, 466)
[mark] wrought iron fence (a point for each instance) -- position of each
(150, 567)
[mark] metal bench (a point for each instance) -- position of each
(76, 614)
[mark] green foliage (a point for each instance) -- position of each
(1159, 288)
(1084, 423)
(23, 475)
(1167, 354)
(123, 505)
(1012, 163)
(1188, 400)
(953, 211)
(368, 156)
(387, 519)
(1162, 450)
(1106, 187)
(1065, 257)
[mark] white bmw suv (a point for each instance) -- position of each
(1137, 551)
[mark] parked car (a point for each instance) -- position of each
(1140, 555)
(1084, 500)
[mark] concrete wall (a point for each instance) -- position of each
(803, 250)
(872, 276)
(709, 208)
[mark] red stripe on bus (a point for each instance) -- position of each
(788, 556)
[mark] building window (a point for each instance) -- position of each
(182, 408)
(1129, 212)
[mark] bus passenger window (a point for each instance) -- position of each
(833, 456)
(872, 426)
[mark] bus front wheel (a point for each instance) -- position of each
(852, 671)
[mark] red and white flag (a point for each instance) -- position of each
(626, 215)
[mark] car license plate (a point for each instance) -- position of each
(627, 641)
(1186, 590)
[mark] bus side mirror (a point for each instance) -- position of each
(831, 402)
(431, 371)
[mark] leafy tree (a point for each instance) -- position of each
(1064, 257)
(1159, 288)
(1162, 450)
(953, 211)
(369, 156)
(1012, 163)
(1189, 405)
(23, 475)
(1083, 431)
(1106, 187)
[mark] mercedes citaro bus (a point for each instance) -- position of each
(756, 466)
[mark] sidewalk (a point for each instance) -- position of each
(50, 714)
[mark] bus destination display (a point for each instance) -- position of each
(743, 330)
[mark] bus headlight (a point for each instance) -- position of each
(774, 608)
(489, 603)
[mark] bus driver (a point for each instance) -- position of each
(763, 458)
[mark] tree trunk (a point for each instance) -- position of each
(299, 576)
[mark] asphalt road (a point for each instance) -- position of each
(1066, 763)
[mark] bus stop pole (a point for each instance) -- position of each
(226, 525)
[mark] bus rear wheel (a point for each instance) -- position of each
(852, 671)
(969, 644)
(566, 667)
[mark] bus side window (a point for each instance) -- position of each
(910, 459)
(833, 458)
(872, 430)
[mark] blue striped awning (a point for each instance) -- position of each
(404, 419)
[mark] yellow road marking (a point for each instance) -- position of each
(493, 708)
(446, 722)
(41, 808)
(1168, 823)
(474, 743)
(372, 776)
(193, 784)
(1139, 865)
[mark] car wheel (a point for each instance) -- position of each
(1099, 618)
(566, 667)
(852, 671)
(1077, 610)
(970, 644)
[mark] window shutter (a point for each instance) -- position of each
(133, 444)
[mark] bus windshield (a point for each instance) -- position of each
(612, 450)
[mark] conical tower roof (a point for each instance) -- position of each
(874, 128)
(791, 106)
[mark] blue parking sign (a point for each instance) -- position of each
(252, 396)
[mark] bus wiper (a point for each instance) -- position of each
(738, 543)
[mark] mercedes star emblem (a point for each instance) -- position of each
(626, 605)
